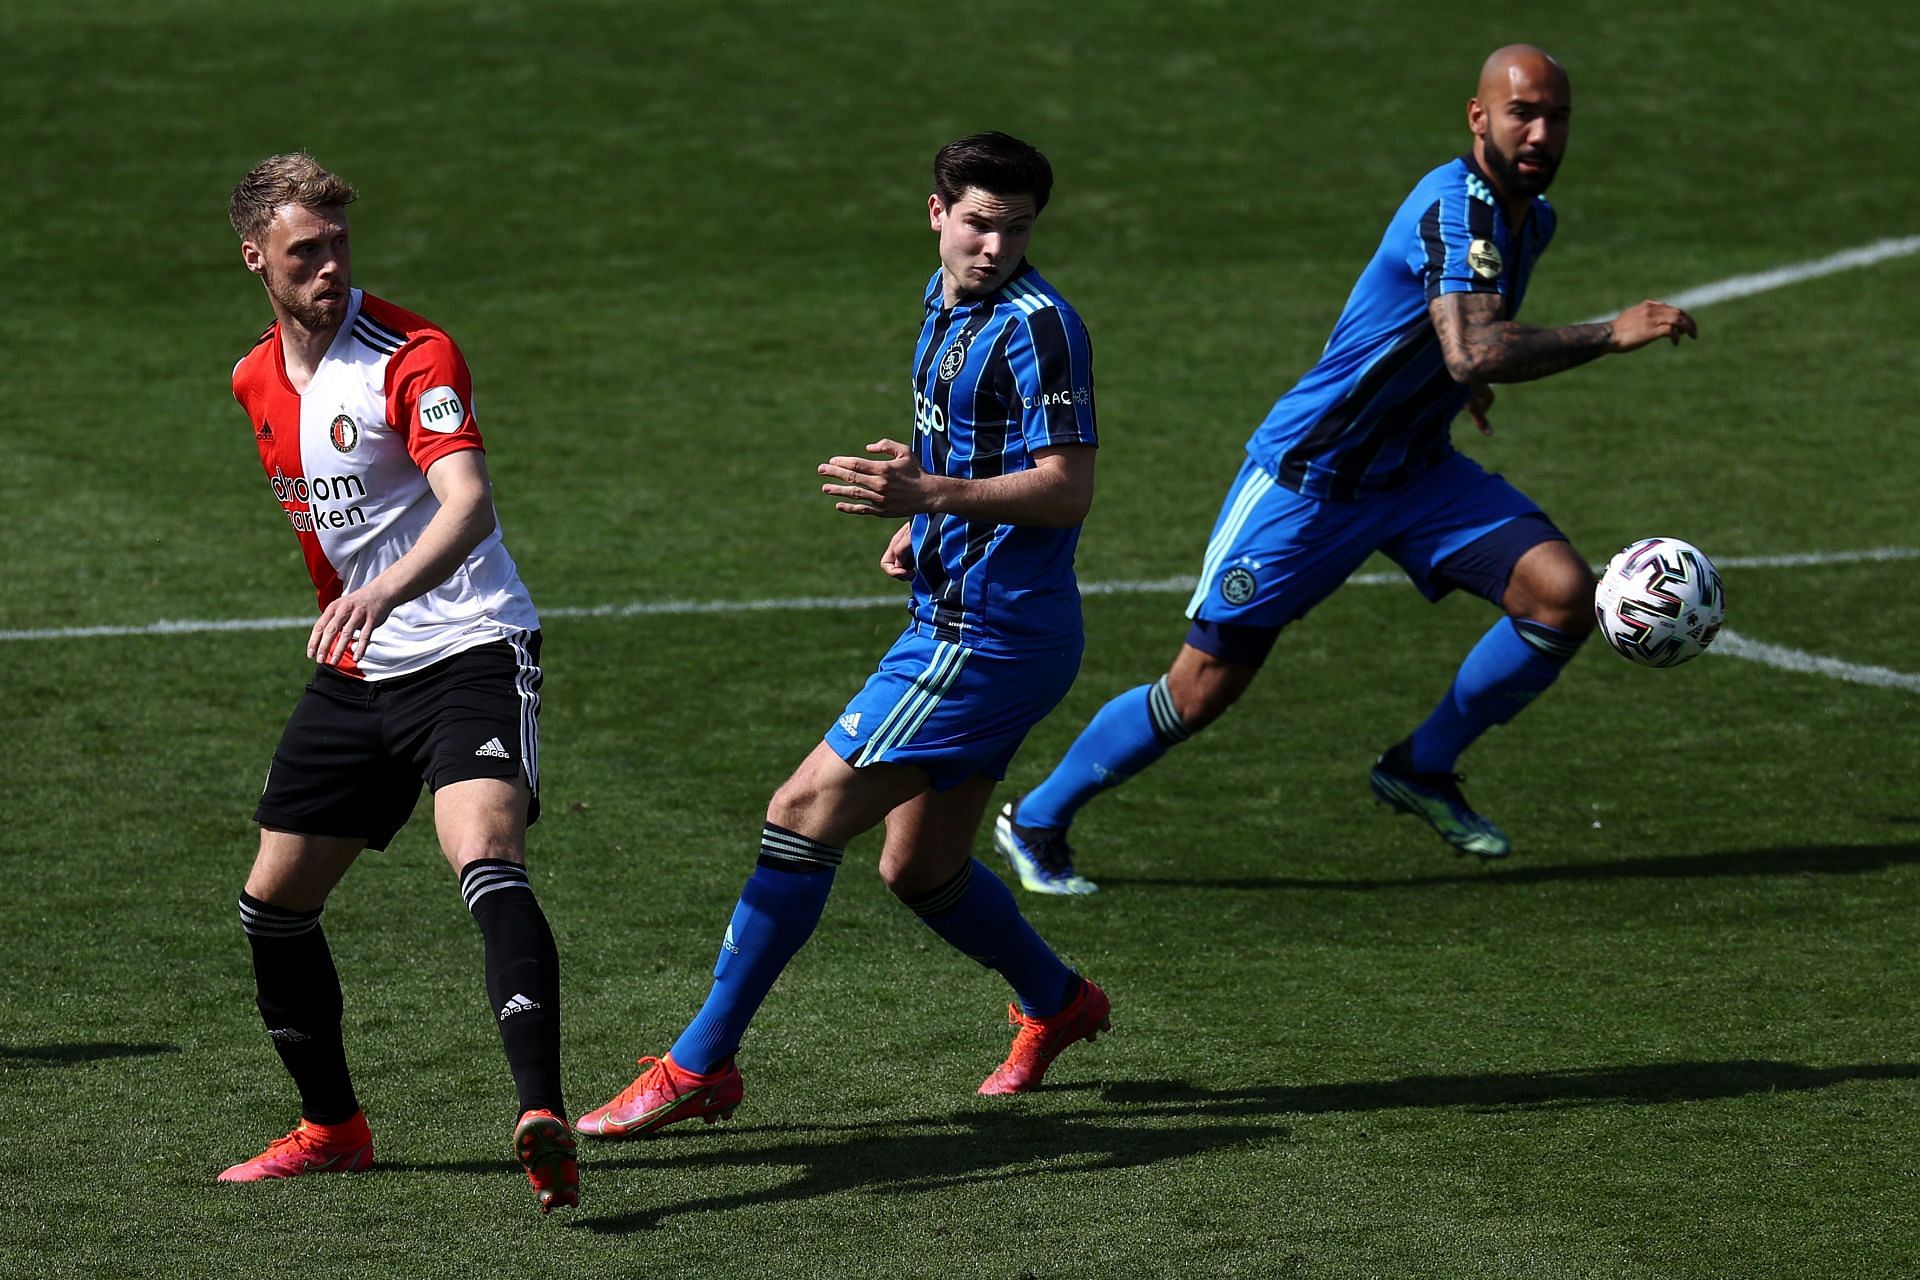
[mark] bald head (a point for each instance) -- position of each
(1519, 117)
(1519, 66)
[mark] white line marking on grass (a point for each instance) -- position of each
(1734, 645)
(1865, 255)
(798, 604)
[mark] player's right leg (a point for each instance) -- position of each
(825, 804)
(1274, 555)
(332, 791)
(1124, 737)
(298, 994)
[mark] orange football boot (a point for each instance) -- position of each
(346, 1147)
(545, 1147)
(1039, 1040)
(664, 1094)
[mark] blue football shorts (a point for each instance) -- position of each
(949, 710)
(1274, 554)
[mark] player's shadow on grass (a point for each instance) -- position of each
(1643, 1085)
(1802, 860)
(1147, 1122)
(67, 1055)
(1134, 1124)
(921, 1155)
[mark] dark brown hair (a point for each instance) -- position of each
(997, 163)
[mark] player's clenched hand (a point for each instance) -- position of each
(1638, 325)
(890, 486)
(1477, 405)
(897, 560)
(347, 624)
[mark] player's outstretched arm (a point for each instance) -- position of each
(1055, 492)
(465, 492)
(1480, 347)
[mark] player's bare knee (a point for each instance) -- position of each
(1565, 605)
(481, 849)
(1202, 692)
(793, 803)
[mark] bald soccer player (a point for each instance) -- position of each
(1357, 458)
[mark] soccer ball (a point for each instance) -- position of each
(1660, 602)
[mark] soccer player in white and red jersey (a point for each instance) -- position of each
(427, 647)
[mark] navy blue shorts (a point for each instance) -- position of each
(952, 711)
(355, 753)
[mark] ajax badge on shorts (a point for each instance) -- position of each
(1236, 586)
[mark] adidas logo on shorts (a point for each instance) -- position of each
(494, 749)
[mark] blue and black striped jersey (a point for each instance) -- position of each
(1377, 407)
(994, 379)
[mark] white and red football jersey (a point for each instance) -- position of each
(347, 461)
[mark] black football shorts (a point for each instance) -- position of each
(355, 752)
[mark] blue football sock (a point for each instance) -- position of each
(1127, 735)
(975, 913)
(775, 916)
(1513, 664)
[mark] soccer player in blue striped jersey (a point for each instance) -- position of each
(993, 487)
(1357, 458)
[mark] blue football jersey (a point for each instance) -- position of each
(995, 378)
(1377, 407)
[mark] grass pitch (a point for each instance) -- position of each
(682, 247)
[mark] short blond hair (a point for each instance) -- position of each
(293, 178)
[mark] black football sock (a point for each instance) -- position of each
(523, 977)
(298, 992)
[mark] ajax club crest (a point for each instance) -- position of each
(1236, 586)
(955, 357)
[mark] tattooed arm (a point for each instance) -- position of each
(1480, 347)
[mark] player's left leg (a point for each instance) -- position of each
(929, 865)
(482, 824)
(1525, 565)
(471, 725)
(1548, 604)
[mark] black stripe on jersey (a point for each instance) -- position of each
(265, 333)
(374, 340)
(1340, 416)
(1480, 227)
(994, 401)
(927, 558)
(1053, 354)
(1350, 471)
(396, 339)
(1436, 250)
(1479, 218)
(943, 590)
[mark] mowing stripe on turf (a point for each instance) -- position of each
(1734, 645)
(1178, 584)
(1865, 255)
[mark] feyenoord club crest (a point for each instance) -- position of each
(345, 433)
(955, 357)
